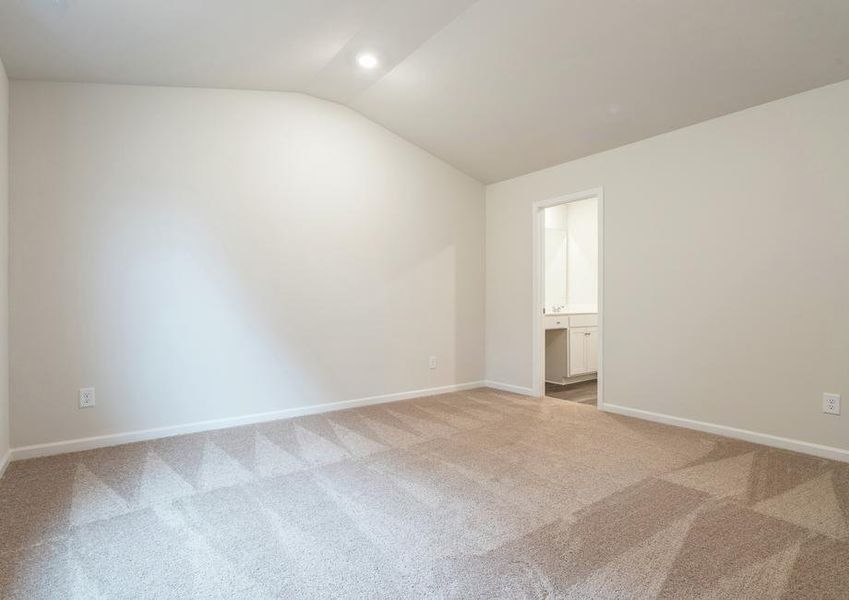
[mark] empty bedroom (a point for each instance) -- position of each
(418, 299)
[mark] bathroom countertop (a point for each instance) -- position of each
(579, 309)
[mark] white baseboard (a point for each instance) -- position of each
(115, 439)
(507, 387)
(732, 432)
(4, 462)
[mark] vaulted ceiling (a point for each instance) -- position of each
(497, 88)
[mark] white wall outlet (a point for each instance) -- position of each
(831, 404)
(86, 397)
(431, 362)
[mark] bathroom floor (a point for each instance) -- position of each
(585, 392)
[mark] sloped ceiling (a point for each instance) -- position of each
(497, 88)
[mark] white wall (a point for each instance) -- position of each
(201, 254)
(726, 266)
(571, 256)
(556, 257)
(4, 266)
(582, 268)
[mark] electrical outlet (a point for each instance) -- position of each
(431, 362)
(831, 404)
(86, 397)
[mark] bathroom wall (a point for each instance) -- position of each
(582, 266)
(556, 257)
(571, 256)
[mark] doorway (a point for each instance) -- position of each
(568, 286)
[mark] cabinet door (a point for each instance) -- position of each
(577, 351)
(591, 349)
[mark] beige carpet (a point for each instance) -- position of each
(478, 494)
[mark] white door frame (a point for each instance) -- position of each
(538, 214)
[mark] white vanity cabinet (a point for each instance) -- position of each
(556, 321)
(571, 348)
(583, 351)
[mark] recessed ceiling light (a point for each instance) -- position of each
(367, 60)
